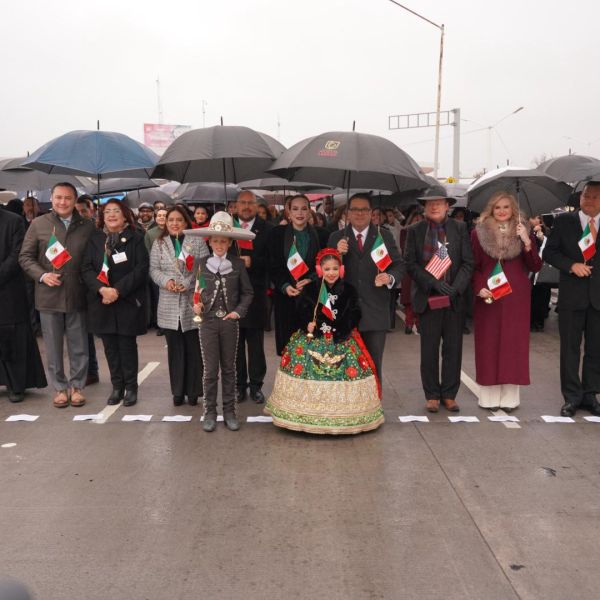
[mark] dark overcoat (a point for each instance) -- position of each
(13, 295)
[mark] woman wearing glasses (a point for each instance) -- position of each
(115, 271)
(292, 265)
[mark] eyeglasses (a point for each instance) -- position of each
(113, 211)
(360, 210)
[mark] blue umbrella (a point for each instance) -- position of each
(98, 154)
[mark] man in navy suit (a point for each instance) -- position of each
(578, 303)
(374, 287)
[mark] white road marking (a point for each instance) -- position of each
(108, 411)
(9, 445)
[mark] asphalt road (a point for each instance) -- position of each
(438, 510)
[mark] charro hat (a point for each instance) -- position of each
(221, 224)
(436, 193)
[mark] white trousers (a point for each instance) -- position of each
(502, 396)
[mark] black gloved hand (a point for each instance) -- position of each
(444, 288)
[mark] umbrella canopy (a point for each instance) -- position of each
(120, 184)
(205, 193)
(536, 192)
(222, 153)
(98, 154)
(572, 168)
(14, 176)
(277, 183)
(350, 159)
(151, 195)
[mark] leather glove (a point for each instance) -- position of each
(444, 288)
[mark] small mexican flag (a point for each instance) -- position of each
(56, 253)
(200, 285)
(183, 256)
(587, 244)
(103, 275)
(242, 244)
(326, 303)
(497, 282)
(379, 253)
(295, 263)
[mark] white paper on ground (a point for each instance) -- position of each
(219, 418)
(463, 419)
(592, 419)
(553, 419)
(503, 418)
(177, 418)
(22, 418)
(87, 417)
(411, 418)
(145, 418)
(260, 419)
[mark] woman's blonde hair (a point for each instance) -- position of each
(488, 211)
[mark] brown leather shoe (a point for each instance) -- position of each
(432, 405)
(451, 404)
(61, 399)
(77, 397)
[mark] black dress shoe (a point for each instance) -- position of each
(231, 422)
(159, 331)
(15, 396)
(92, 379)
(408, 330)
(210, 423)
(130, 397)
(177, 400)
(257, 396)
(590, 403)
(568, 410)
(241, 394)
(193, 400)
(115, 397)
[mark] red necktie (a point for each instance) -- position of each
(359, 241)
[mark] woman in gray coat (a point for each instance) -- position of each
(173, 265)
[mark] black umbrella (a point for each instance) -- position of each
(350, 159)
(278, 183)
(14, 176)
(224, 153)
(536, 192)
(151, 195)
(205, 193)
(572, 168)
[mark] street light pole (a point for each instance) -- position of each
(439, 84)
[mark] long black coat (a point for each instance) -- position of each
(256, 317)
(13, 296)
(361, 271)
(126, 316)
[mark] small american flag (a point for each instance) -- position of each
(439, 263)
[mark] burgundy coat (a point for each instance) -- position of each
(502, 328)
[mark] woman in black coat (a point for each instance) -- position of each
(287, 288)
(115, 271)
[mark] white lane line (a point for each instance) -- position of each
(108, 411)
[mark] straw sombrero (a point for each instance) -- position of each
(221, 224)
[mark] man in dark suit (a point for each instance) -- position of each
(251, 372)
(578, 302)
(374, 287)
(442, 325)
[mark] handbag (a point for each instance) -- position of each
(548, 275)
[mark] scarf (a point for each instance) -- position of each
(436, 234)
(113, 239)
(498, 244)
(220, 265)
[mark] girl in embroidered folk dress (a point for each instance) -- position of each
(502, 237)
(326, 381)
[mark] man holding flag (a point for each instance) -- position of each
(51, 255)
(572, 248)
(439, 260)
(373, 266)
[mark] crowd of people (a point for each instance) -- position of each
(209, 282)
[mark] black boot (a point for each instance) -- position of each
(231, 421)
(15, 396)
(115, 397)
(257, 396)
(130, 397)
(177, 400)
(210, 422)
(193, 400)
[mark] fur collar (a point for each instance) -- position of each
(497, 244)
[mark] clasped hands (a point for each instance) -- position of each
(444, 288)
(109, 295)
(175, 287)
(581, 269)
(292, 291)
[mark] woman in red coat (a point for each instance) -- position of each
(502, 237)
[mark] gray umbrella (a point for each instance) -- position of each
(151, 195)
(120, 184)
(350, 159)
(222, 153)
(14, 176)
(277, 183)
(205, 193)
(537, 192)
(572, 168)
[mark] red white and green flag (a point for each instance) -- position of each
(326, 303)
(56, 253)
(380, 254)
(183, 256)
(587, 244)
(295, 263)
(243, 244)
(200, 285)
(103, 275)
(498, 283)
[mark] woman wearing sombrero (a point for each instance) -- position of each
(223, 293)
(326, 381)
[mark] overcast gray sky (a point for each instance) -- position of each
(317, 65)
